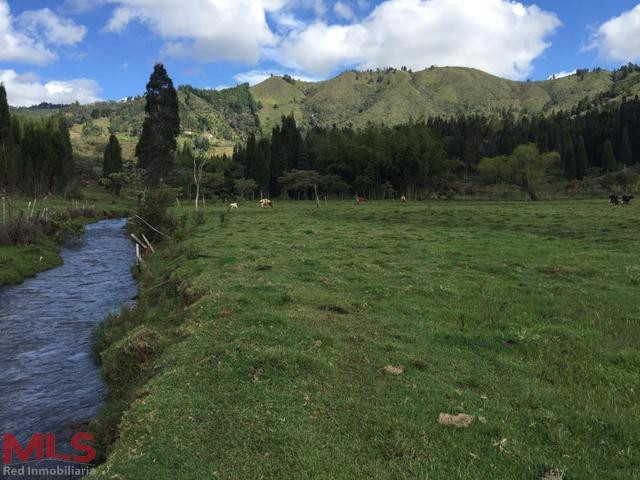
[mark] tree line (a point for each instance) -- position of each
(36, 156)
(423, 157)
(589, 142)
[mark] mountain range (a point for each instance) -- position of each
(353, 98)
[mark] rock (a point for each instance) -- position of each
(462, 420)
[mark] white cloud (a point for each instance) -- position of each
(80, 6)
(343, 10)
(206, 30)
(363, 4)
(319, 8)
(257, 76)
(26, 89)
(498, 36)
(618, 38)
(16, 46)
(562, 74)
(286, 21)
(59, 31)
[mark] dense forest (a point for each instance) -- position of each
(438, 156)
(36, 156)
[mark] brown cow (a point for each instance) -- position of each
(360, 200)
(265, 203)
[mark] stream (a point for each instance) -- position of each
(48, 379)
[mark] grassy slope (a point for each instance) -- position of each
(20, 262)
(394, 97)
(525, 314)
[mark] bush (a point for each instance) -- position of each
(73, 190)
(152, 216)
(199, 218)
(20, 231)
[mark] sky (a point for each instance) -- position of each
(61, 51)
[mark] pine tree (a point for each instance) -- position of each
(581, 159)
(5, 136)
(626, 152)
(157, 146)
(112, 157)
(569, 160)
(5, 117)
(262, 166)
(250, 157)
(609, 156)
(62, 155)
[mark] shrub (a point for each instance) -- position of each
(20, 231)
(152, 216)
(199, 218)
(73, 190)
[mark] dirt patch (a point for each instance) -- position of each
(255, 373)
(334, 309)
(394, 370)
(555, 270)
(462, 420)
(553, 475)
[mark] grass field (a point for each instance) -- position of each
(260, 347)
(20, 262)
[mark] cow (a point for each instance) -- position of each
(613, 200)
(403, 199)
(626, 199)
(360, 200)
(265, 203)
(233, 206)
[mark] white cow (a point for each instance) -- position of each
(265, 203)
(233, 206)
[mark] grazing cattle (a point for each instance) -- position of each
(233, 206)
(626, 199)
(360, 199)
(613, 200)
(265, 203)
(403, 199)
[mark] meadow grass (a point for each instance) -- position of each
(264, 338)
(23, 261)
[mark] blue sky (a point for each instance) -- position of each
(65, 50)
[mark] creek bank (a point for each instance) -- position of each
(50, 382)
(19, 262)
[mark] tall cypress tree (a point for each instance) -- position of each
(581, 159)
(5, 116)
(262, 166)
(569, 160)
(112, 162)
(250, 157)
(626, 152)
(157, 146)
(5, 136)
(609, 156)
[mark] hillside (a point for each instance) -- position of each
(353, 98)
(395, 96)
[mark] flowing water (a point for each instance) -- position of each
(48, 379)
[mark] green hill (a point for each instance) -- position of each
(388, 96)
(395, 96)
